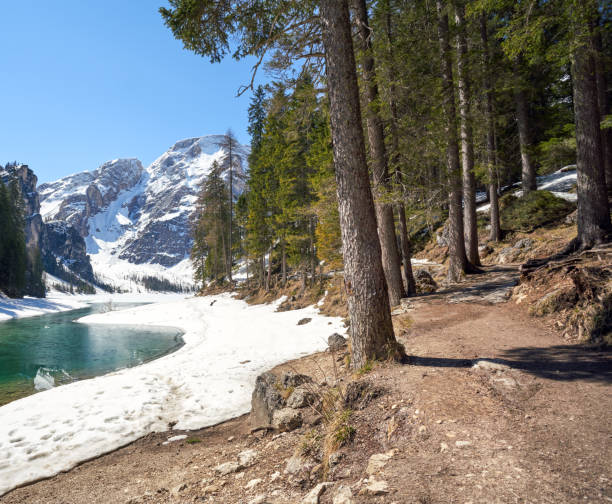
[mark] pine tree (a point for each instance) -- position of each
(210, 230)
(231, 162)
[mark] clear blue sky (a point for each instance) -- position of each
(86, 81)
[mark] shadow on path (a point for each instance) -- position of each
(561, 363)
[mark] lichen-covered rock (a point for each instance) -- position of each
(336, 342)
(300, 398)
(291, 379)
(266, 399)
(287, 419)
(424, 282)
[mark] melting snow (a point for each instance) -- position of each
(201, 384)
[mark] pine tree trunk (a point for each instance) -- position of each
(490, 127)
(405, 247)
(380, 171)
(467, 146)
(528, 176)
(262, 271)
(269, 279)
(284, 263)
(604, 105)
(231, 210)
(593, 211)
(371, 330)
(409, 282)
(458, 263)
(313, 254)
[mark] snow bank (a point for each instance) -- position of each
(210, 379)
(58, 301)
(559, 183)
(30, 307)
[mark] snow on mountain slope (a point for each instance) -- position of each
(135, 220)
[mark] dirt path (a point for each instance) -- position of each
(492, 408)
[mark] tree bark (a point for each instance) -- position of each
(490, 127)
(406, 256)
(467, 145)
(528, 176)
(405, 247)
(593, 210)
(371, 330)
(231, 206)
(604, 105)
(458, 263)
(283, 263)
(380, 170)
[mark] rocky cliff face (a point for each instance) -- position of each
(64, 251)
(76, 198)
(58, 245)
(135, 220)
(31, 204)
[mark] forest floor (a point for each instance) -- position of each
(493, 407)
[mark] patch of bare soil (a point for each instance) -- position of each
(492, 408)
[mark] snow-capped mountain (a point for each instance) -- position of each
(135, 220)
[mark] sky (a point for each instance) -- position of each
(87, 81)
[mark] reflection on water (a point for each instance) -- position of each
(38, 353)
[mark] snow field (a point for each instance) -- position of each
(210, 379)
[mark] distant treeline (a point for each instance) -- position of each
(152, 283)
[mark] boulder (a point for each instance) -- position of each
(228, 468)
(265, 400)
(287, 419)
(291, 379)
(343, 495)
(524, 244)
(336, 342)
(247, 457)
(300, 398)
(313, 496)
(375, 487)
(424, 282)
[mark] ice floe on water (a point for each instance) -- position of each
(44, 379)
(208, 380)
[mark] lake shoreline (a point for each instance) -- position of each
(206, 381)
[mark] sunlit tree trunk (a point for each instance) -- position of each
(528, 175)
(593, 210)
(490, 127)
(458, 263)
(380, 171)
(371, 330)
(467, 145)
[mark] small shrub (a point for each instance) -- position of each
(537, 209)
(193, 440)
(311, 444)
(343, 431)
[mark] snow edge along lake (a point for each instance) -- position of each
(208, 380)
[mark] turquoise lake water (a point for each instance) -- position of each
(37, 353)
